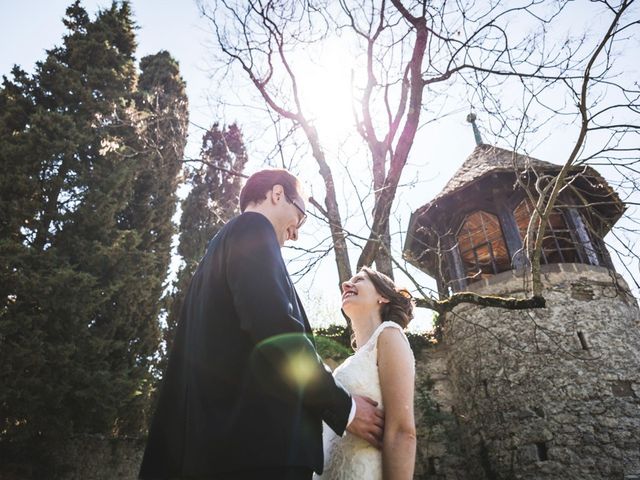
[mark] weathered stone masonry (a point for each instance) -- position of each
(542, 394)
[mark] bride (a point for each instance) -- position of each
(382, 368)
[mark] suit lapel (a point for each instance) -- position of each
(300, 308)
(303, 314)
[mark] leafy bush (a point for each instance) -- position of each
(330, 348)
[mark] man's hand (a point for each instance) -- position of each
(368, 423)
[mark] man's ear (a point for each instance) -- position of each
(277, 192)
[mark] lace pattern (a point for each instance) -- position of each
(349, 457)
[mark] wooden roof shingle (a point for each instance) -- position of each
(486, 159)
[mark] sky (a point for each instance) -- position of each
(29, 27)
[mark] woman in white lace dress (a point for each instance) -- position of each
(382, 368)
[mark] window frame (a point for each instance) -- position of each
(469, 268)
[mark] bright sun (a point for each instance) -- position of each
(325, 91)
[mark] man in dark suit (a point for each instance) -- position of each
(245, 393)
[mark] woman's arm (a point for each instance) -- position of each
(396, 370)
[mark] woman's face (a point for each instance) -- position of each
(359, 294)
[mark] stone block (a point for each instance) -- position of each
(583, 292)
(552, 268)
(527, 454)
(622, 388)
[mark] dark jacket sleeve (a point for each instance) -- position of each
(263, 297)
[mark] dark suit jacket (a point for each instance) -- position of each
(244, 387)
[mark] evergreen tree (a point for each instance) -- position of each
(90, 167)
(162, 130)
(212, 201)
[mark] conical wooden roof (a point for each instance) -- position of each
(487, 159)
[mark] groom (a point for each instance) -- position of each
(245, 393)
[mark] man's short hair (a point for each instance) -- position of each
(256, 188)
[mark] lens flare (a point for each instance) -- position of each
(301, 369)
(291, 357)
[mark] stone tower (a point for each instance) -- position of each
(550, 393)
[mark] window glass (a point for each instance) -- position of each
(558, 245)
(482, 246)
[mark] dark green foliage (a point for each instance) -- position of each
(426, 406)
(330, 348)
(90, 166)
(340, 334)
(337, 333)
(438, 332)
(434, 423)
(212, 201)
(158, 148)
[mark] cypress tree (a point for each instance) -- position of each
(212, 201)
(161, 136)
(90, 166)
(75, 98)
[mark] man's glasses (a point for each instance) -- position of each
(300, 209)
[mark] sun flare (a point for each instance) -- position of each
(325, 91)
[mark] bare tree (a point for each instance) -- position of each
(412, 56)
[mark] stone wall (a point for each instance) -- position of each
(550, 393)
(85, 457)
(439, 453)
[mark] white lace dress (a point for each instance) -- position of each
(349, 457)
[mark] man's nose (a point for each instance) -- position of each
(345, 285)
(292, 233)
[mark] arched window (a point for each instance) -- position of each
(482, 247)
(558, 245)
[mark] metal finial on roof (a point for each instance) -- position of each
(471, 118)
